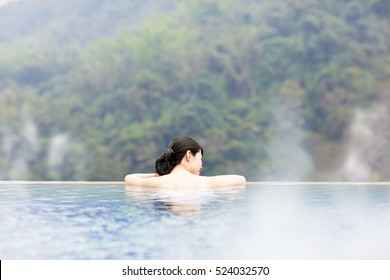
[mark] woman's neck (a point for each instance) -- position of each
(180, 169)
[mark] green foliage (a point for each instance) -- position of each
(239, 76)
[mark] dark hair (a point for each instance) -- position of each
(175, 153)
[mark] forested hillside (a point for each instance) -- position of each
(273, 90)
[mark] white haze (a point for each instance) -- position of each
(21, 145)
(58, 148)
(367, 143)
(6, 2)
(364, 152)
(288, 155)
(281, 226)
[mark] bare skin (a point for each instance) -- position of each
(185, 175)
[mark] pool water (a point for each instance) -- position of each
(263, 221)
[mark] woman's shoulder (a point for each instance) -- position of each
(211, 181)
(184, 180)
(144, 179)
(225, 180)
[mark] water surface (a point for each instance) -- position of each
(111, 221)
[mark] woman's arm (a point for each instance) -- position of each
(226, 180)
(142, 179)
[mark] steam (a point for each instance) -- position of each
(289, 157)
(58, 149)
(67, 158)
(365, 152)
(18, 148)
(21, 148)
(355, 167)
(30, 133)
(367, 145)
(6, 2)
(284, 226)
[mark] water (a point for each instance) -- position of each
(111, 221)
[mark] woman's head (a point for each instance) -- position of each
(180, 147)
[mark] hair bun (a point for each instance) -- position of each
(165, 163)
(168, 154)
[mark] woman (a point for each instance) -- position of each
(180, 166)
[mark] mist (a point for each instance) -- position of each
(7, 2)
(367, 145)
(285, 224)
(278, 91)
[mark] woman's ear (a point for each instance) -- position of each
(188, 155)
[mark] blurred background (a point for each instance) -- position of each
(273, 90)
